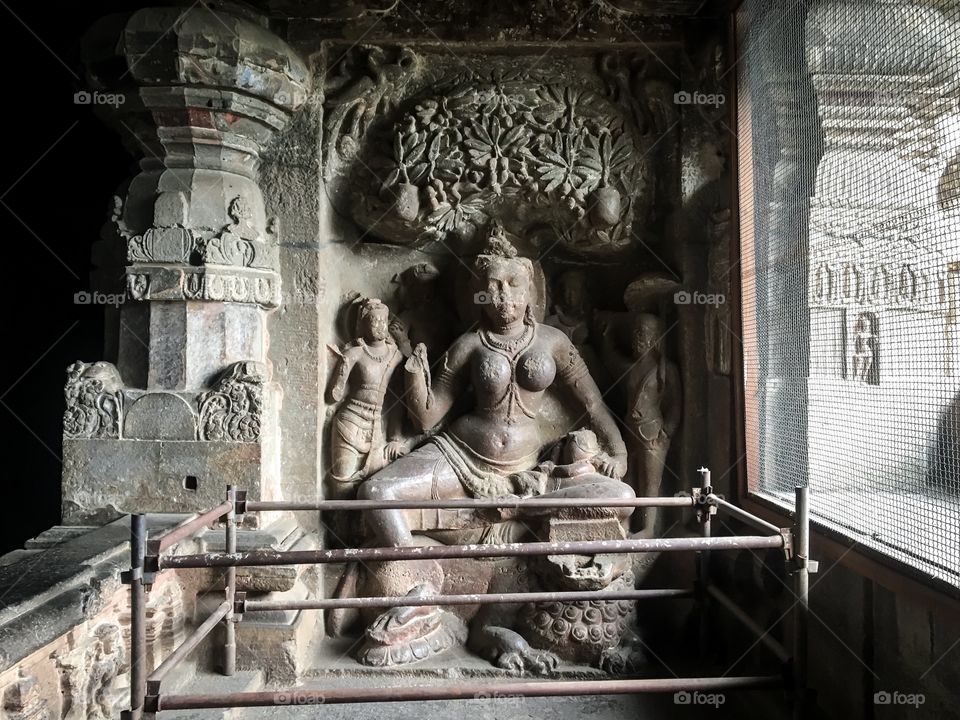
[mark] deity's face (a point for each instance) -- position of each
(646, 337)
(506, 291)
(573, 291)
(376, 324)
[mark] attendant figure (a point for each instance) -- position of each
(359, 382)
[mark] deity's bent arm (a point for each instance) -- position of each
(429, 400)
(573, 375)
(672, 400)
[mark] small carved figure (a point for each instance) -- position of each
(571, 312)
(574, 471)
(104, 663)
(573, 315)
(654, 405)
(865, 349)
(423, 319)
(360, 381)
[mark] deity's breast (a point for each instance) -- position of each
(536, 370)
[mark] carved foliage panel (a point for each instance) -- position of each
(433, 147)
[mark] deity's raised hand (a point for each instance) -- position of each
(418, 362)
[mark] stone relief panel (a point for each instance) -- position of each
(94, 401)
(488, 180)
(233, 409)
(22, 700)
(501, 206)
(99, 406)
(438, 152)
(88, 672)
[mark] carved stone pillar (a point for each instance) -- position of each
(190, 404)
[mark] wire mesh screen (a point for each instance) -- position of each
(849, 143)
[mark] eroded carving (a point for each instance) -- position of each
(22, 700)
(88, 672)
(233, 409)
(363, 83)
(240, 243)
(94, 402)
(174, 244)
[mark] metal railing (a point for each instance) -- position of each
(149, 557)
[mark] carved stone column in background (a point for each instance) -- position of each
(882, 241)
(785, 154)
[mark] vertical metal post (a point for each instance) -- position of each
(230, 627)
(138, 617)
(801, 581)
(703, 560)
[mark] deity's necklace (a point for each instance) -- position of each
(512, 345)
(370, 354)
(512, 348)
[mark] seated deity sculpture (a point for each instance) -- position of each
(495, 448)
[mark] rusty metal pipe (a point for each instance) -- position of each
(468, 504)
(258, 558)
(801, 617)
(704, 514)
(187, 646)
(762, 635)
(188, 529)
(230, 589)
(743, 516)
(301, 696)
(478, 599)
(138, 617)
